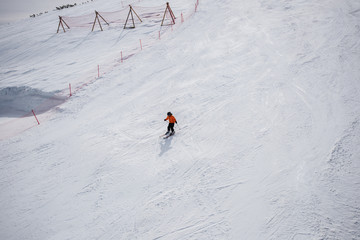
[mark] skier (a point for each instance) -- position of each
(172, 121)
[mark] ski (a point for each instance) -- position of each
(168, 135)
(164, 135)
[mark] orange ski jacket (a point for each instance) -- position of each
(171, 119)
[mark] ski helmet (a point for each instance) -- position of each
(169, 113)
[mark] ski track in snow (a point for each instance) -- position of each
(266, 94)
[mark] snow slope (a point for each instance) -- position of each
(266, 94)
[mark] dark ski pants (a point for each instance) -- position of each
(171, 127)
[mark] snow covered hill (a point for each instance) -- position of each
(266, 94)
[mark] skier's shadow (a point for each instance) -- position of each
(165, 145)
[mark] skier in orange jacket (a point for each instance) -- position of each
(172, 121)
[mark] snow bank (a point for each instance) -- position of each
(19, 101)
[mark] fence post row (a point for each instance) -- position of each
(131, 11)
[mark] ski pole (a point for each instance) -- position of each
(178, 126)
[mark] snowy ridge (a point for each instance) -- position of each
(266, 94)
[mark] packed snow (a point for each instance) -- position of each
(267, 99)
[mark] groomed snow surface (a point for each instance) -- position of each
(267, 97)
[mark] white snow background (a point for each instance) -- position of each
(266, 94)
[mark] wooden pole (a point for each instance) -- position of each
(62, 26)
(135, 13)
(59, 25)
(132, 17)
(97, 16)
(62, 20)
(94, 22)
(103, 19)
(127, 18)
(164, 14)
(171, 13)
